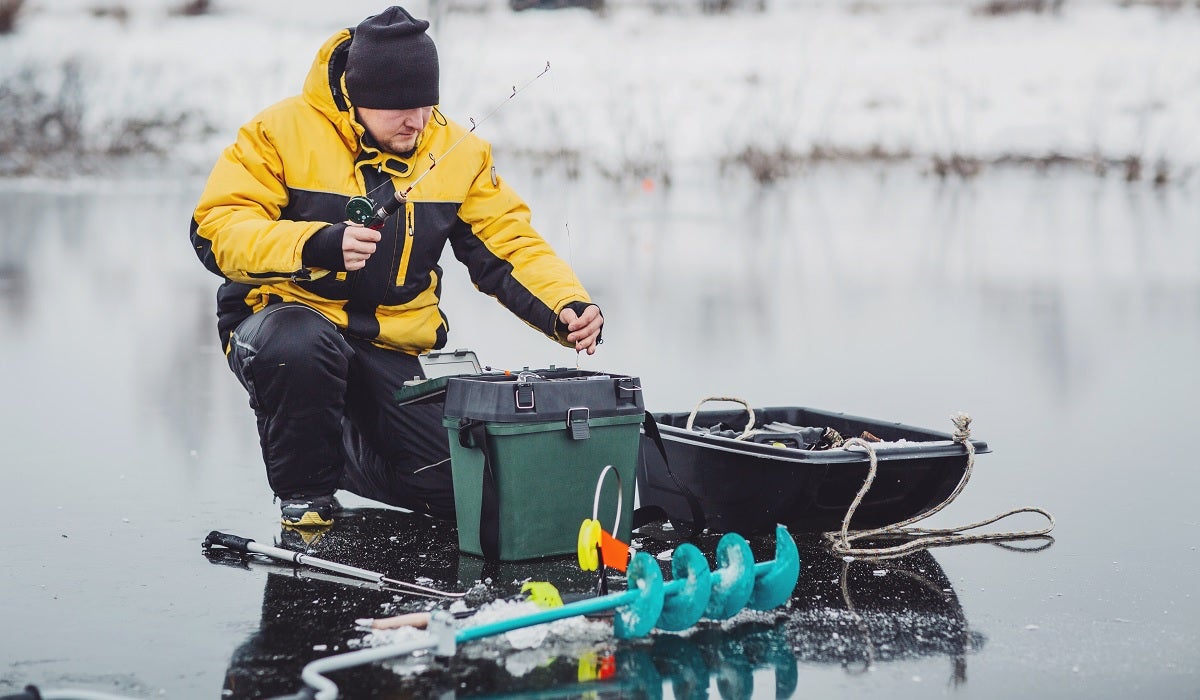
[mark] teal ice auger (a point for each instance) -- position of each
(695, 592)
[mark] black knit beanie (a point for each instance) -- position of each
(393, 63)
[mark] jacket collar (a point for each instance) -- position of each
(325, 88)
(401, 166)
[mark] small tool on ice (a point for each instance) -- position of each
(249, 546)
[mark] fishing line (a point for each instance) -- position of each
(475, 125)
(566, 215)
(362, 209)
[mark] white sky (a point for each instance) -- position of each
(638, 88)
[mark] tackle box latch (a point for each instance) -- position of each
(577, 422)
(626, 388)
(524, 394)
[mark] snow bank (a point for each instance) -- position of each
(636, 91)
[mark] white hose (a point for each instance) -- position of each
(328, 690)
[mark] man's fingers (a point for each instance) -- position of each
(583, 329)
(588, 343)
(587, 331)
(590, 317)
(358, 236)
(360, 240)
(358, 244)
(363, 233)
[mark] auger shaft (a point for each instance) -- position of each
(581, 607)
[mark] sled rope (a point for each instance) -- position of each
(750, 421)
(840, 542)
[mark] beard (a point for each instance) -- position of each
(402, 146)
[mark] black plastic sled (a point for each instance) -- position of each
(789, 468)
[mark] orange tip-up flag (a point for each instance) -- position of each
(614, 552)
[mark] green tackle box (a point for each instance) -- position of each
(527, 451)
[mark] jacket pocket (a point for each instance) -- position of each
(406, 243)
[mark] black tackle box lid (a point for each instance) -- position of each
(542, 395)
(455, 378)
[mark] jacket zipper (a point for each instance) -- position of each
(407, 235)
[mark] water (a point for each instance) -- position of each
(1061, 311)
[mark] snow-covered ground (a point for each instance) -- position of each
(636, 90)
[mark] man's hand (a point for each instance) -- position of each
(584, 329)
(358, 243)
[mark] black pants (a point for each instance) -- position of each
(327, 418)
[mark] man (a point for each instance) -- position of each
(321, 319)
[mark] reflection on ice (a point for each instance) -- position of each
(1069, 307)
(862, 613)
(841, 613)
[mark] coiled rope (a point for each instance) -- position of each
(840, 542)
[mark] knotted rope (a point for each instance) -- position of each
(840, 542)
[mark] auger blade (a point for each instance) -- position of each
(687, 594)
(733, 581)
(636, 618)
(775, 580)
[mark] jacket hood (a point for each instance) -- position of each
(325, 88)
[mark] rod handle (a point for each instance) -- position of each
(392, 205)
(222, 539)
(380, 215)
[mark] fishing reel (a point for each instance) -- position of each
(363, 210)
(360, 210)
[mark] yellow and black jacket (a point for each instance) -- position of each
(273, 211)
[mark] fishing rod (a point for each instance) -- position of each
(249, 546)
(363, 210)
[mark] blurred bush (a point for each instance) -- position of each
(9, 10)
(518, 5)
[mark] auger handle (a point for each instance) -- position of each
(223, 539)
(246, 545)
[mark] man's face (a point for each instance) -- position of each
(395, 130)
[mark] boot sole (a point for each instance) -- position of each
(309, 519)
